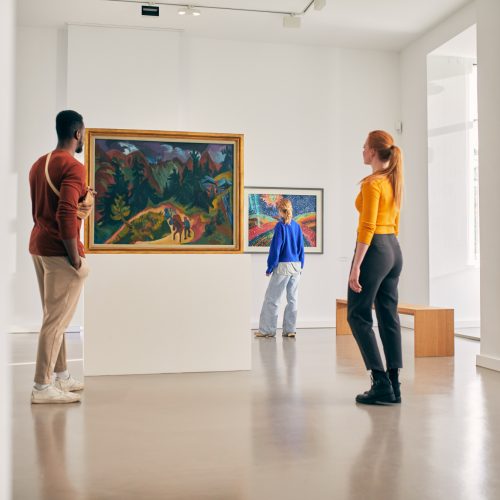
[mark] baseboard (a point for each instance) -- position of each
(408, 322)
(304, 324)
(36, 329)
(468, 337)
(489, 362)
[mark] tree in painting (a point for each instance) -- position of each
(160, 192)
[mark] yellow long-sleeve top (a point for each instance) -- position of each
(378, 213)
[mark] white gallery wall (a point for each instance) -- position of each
(40, 94)
(488, 46)
(304, 110)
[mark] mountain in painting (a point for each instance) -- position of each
(136, 178)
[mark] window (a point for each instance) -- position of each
(473, 170)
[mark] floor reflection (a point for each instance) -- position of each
(375, 469)
(49, 422)
(280, 411)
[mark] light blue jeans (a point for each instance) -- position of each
(269, 314)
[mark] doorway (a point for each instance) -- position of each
(453, 172)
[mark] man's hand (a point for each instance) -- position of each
(76, 263)
(73, 256)
(84, 210)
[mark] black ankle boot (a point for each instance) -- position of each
(393, 374)
(380, 393)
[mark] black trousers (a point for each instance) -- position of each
(379, 279)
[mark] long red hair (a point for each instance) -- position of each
(383, 143)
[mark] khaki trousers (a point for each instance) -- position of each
(60, 286)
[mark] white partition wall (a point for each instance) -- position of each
(152, 313)
(167, 314)
(124, 77)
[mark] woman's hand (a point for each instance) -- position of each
(354, 280)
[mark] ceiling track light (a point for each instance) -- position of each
(319, 4)
(189, 11)
(290, 19)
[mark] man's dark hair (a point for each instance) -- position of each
(67, 123)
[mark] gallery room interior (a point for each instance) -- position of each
(198, 118)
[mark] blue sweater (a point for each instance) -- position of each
(287, 245)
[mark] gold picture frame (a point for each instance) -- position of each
(164, 192)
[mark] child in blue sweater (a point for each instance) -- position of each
(284, 265)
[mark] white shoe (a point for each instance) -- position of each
(52, 394)
(264, 335)
(69, 385)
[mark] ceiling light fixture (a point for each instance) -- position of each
(291, 21)
(188, 10)
(319, 4)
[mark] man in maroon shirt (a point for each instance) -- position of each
(58, 184)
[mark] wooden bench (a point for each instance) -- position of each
(434, 328)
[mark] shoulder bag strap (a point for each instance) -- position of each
(47, 176)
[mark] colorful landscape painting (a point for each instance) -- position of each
(261, 216)
(160, 193)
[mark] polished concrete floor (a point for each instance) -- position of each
(287, 430)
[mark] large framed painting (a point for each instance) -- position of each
(164, 191)
(261, 216)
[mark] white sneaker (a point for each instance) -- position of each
(52, 394)
(69, 385)
(264, 335)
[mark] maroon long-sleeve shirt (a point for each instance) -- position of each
(55, 217)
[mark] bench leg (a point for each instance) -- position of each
(434, 333)
(342, 326)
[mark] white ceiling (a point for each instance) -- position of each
(463, 45)
(375, 24)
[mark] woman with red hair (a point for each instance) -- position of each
(376, 267)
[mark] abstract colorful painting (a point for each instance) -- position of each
(261, 216)
(164, 191)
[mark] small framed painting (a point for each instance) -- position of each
(161, 192)
(261, 216)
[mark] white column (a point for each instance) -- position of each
(6, 115)
(488, 47)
